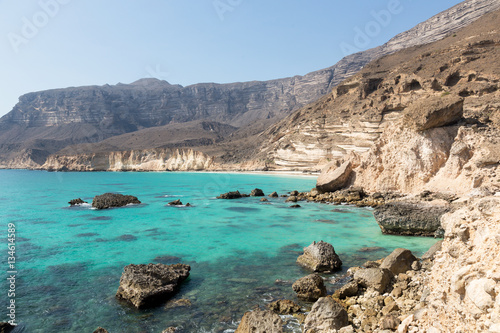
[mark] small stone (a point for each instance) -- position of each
(399, 261)
(264, 200)
(291, 199)
(175, 203)
(390, 322)
(348, 290)
(310, 288)
(273, 195)
(260, 321)
(397, 292)
(284, 307)
(295, 206)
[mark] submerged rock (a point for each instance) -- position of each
(151, 284)
(326, 315)
(295, 206)
(257, 193)
(310, 288)
(230, 195)
(260, 321)
(410, 218)
(76, 202)
(284, 307)
(100, 330)
(320, 257)
(109, 200)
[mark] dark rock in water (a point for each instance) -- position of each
(260, 321)
(399, 261)
(295, 206)
(410, 218)
(294, 193)
(188, 205)
(100, 330)
(152, 284)
(310, 288)
(431, 252)
(167, 259)
(291, 199)
(320, 257)
(230, 195)
(6, 327)
(284, 195)
(257, 193)
(108, 200)
(178, 303)
(76, 202)
(171, 329)
(371, 249)
(326, 315)
(175, 203)
(273, 195)
(127, 238)
(284, 307)
(264, 200)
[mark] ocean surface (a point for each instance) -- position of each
(69, 259)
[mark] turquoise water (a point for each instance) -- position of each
(70, 260)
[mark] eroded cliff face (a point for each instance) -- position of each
(360, 109)
(133, 160)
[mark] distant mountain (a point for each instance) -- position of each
(45, 122)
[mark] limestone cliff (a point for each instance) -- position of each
(132, 160)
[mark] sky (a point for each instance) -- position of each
(47, 44)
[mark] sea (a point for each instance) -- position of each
(67, 261)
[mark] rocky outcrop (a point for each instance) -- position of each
(310, 288)
(334, 177)
(110, 200)
(134, 160)
(437, 111)
(411, 217)
(74, 202)
(260, 321)
(257, 193)
(284, 307)
(464, 284)
(320, 257)
(177, 202)
(152, 284)
(326, 315)
(230, 195)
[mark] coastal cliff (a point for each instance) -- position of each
(132, 160)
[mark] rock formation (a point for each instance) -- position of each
(152, 284)
(260, 321)
(109, 200)
(230, 195)
(326, 315)
(284, 307)
(74, 202)
(320, 257)
(310, 288)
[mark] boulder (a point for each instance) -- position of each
(175, 203)
(294, 193)
(431, 252)
(109, 200)
(260, 321)
(284, 307)
(410, 218)
(399, 261)
(264, 200)
(273, 195)
(348, 290)
(100, 330)
(230, 195)
(76, 202)
(430, 112)
(292, 198)
(152, 284)
(326, 316)
(374, 278)
(333, 177)
(257, 193)
(320, 257)
(310, 288)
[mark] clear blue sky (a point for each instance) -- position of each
(49, 44)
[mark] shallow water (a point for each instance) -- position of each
(70, 260)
